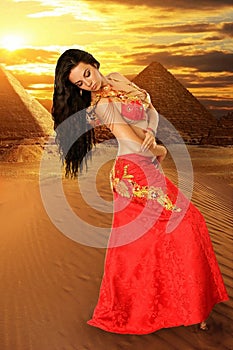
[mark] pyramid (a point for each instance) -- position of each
(175, 103)
(222, 134)
(21, 116)
(23, 120)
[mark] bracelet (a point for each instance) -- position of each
(152, 131)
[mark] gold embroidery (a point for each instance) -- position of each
(126, 175)
(127, 187)
(108, 91)
(121, 188)
(120, 95)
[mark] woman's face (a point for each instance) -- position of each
(86, 77)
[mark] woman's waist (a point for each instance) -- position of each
(131, 147)
(134, 157)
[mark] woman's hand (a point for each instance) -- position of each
(149, 141)
(161, 153)
(158, 152)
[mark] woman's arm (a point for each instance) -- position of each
(153, 117)
(109, 114)
(148, 136)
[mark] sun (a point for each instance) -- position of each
(12, 42)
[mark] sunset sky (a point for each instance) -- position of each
(192, 39)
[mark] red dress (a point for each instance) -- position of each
(160, 268)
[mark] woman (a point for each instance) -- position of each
(152, 279)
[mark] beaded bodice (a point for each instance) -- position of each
(133, 107)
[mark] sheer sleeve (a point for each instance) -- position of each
(107, 112)
(137, 90)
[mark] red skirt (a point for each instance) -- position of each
(160, 267)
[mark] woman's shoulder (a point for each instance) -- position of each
(118, 77)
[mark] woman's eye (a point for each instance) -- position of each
(87, 74)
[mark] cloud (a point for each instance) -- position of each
(214, 61)
(213, 38)
(163, 46)
(223, 28)
(218, 106)
(30, 80)
(78, 9)
(173, 4)
(27, 55)
(227, 28)
(183, 28)
(223, 103)
(90, 10)
(197, 81)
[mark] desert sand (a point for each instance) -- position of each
(50, 282)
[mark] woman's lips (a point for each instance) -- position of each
(94, 86)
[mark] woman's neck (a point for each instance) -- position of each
(104, 81)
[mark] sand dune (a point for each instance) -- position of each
(50, 283)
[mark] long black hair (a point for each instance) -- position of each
(69, 100)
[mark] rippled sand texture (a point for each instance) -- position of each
(50, 283)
